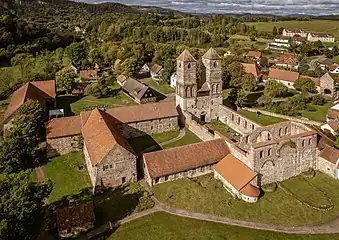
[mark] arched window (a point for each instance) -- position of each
(215, 64)
(269, 152)
(179, 64)
(191, 94)
(245, 124)
(303, 143)
(187, 92)
(261, 154)
(280, 132)
(309, 141)
(188, 65)
(268, 136)
(238, 121)
(286, 130)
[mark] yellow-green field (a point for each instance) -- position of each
(327, 26)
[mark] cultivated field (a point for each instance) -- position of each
(327, 26)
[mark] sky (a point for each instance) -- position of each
(276, 7)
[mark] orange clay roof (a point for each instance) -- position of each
(63, 127)
(40, 91)
(256, 54)
(330, 154)
(251, 68)
(180, 159)
(235, 172)
(250, 191)
(101, 136)
(284, 75)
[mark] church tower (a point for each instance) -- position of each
(186, 86)
(213, 77)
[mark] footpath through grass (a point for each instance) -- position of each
(189, 138)
(260, 118)
(206, 195)
(168, 227)
(68, 174)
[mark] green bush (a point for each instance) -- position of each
(318, 100)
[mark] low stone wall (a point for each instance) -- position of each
(63, 145)
(236, 121)
(295, 119)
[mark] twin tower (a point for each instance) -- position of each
(201, 98)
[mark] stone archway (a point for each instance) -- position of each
(267, 171)
(327, 91)
(288, 155)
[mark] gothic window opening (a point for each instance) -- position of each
(261, 154)
(280, 132)
(269, 152)
(309, 141)
(286, 130)
(303, 143)
(215, 64)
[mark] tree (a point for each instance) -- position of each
(275, 31)
(305, 85)
(64, 79)
(19, 147)
(95, 56)
(318, 99)
(77, 52)
(264, 100)
(280, 31)
(20, 204)
(130, 66)
(275, 89)
(263, 62)
(303, 66)
(241, 98)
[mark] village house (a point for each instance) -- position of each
(329, 85)
(136, 90)
(334, 69)
(291, 32)
(254, 55)
(281, 43)
(328, 161)
(145, 70)
(90, 75)
(323, 37)
(325, 64)
(42, 91)
(252, 68)
(297, 39)
(72, 220)
(289, 61)
(155, 71)
(173, 80)
(332, 126)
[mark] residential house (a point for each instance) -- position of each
(109, 158)
(289, 61)
(333, 112)
(329, 84)
(138, 91)
(284, 76)
(323, 37)
(281, 43)
(334, 69)
(42, 91)
(156, 70)
(252, 68)
(89, 75)
(298, 40)
(291, 32)
(73, 220)
(121, 79)
(236, 178)
(173, 81)
(145, 70)
(332, 126)
(325, 64)
(254, 55)
(328, 161)
(78, 88)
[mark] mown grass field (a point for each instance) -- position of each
(324, 26)
(160, 87)
(165, 226)
(320, 114)
(206, 195)
(260, 118)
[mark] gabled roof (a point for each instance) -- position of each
(330, 154)
(284, 75)
(288, 58)
(333, 113)
(256, 54)
(211, 54)
(235, 172)
(121, 78)
(39, 90)
(101, 136)
(180, 159)
(156, 68)
(326, 61)
(324, 35)
(334, 124)
(63, 127)
(251, 68)
(135, 88)
(186, 56)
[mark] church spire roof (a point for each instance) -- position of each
(211, 54)
(186, 56)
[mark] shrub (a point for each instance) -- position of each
(305, 85)
(275, 89)
(299, 102)
(318, 100)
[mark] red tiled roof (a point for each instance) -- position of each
(330, 154)
(334, 124)
(279, 74)
(235, 172)
(156, 68)
(180, 159)
(144, 112)
(63, 127)
(333, 113)
(251, 191)
(315, 80)
(75, 216)
(251, 68)
(288, 58)
(256, 54)
(101, 136)
(39, 90)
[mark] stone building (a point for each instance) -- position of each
(328, 161)
(329, 85)
(109, 158)
(63, 135)
(202, 99)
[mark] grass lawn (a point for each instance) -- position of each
(336, 59)
(139, 144)
(320, 113)
(206, 195)
(260, 118)
(323, 26)
(68, 174)
(189, 138)
(165, 226)
(74, 105)
(245, 41)
(160, 87)
(224, 130)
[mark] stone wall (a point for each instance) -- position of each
(295, 119)
(327, 167)
(118, 167)
(155, 126)
(200, 130)
(63, 145)
(236, 121)
(92, 170)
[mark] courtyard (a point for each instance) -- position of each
(206, 195)
(260, 118)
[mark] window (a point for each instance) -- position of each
(303, 143)
(193, 171)
(280, 132)
(179, 64)
(269, 152)
(156, 180)
(188, 65)
(238, 121)
(166, 178)
(232, 117)
(111, 166)
(215, 64)
(309, 141)
(252, 127)
(328, 169)
(245, 124)
(268, 136)
(201, 169)
(104, 167)
(123, 180)
(286, 130)
(261, 154)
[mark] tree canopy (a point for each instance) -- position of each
(305, 85)
(275, 89)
